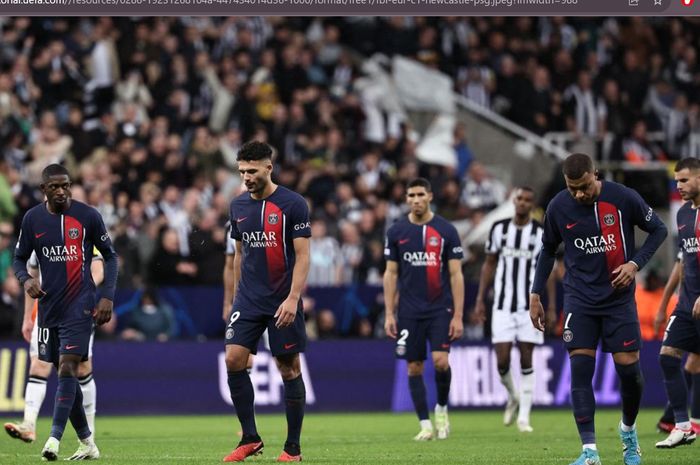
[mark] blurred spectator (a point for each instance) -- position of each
(168, 267)
(637, 148)
(648, 297)
(325, 322)
(481, 191)
(149, 320)
(326, 261)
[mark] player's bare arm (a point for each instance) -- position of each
(103, 311)
(457, 285)
(696, 309)
(287, 311)
(551, 315)
(537, 312)
(391, 276)
(488, 271)
(669, 289)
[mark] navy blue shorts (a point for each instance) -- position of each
(683, 332)
(618, 330)
(414, 334)
(245, 328)
(70, 338)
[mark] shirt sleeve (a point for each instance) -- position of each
(299, 219)
(23, 250)
(644, 216)
(493, 244)
(391, 250)
(234, 232)
(545, 262)
(453, 245)
(101, 240)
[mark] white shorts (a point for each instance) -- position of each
(507, 326)
(34, 343)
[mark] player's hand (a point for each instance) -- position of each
(536, 312)
(27, 327)
(226, 313)
(390, 325)
(456, 329)
(660, 320)
(32, 287)
(103, 311)
(286, 312)
(625, 275)
(480, 311)
(696, 309)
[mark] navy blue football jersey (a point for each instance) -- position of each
(689, 238)
(64, 247)
(422, 252)
(597, 239)
(266, 230)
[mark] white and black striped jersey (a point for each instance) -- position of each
(517, 248)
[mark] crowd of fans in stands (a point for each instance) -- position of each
(148, 114)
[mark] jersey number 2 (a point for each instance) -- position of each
(402, 339)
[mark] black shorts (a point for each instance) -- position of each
(70, 338)
(246, 326)
(683, 332)
(618, 330)
(413, 336)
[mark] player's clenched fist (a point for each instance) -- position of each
(390, 326)
(103, 311)
(32, 287)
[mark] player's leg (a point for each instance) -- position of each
(89, 391)
(34, 395)
(692, 367)
(242, 334)
(581, 335)
(503, 333)
(680, 337)
(439, 335)
(285, 345)
(411, 346)
(527, 385)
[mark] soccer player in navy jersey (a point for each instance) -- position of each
(63, 233)
(595, 220)
(424, 269)
(270, 224)
(683, 329)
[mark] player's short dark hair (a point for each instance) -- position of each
(691, 164)
(525, 188)
(420, 182)
(576, 165)
(53, 169)
(254, 151)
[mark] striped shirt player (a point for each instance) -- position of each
(596, 219)
(423, 255)
(512, 249)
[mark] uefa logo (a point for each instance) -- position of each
(609, 219)
(73, 233)
(272, 218)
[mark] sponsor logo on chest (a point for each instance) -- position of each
(690, 245)
(258, 239)
(60, 253)
(596, 244)
(421, 258)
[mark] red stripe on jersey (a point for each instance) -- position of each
(274, 227)
(610, 227)
(433, 247)
(73, 240)
(697, 233)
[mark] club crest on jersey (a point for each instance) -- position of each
(400, 351)
(229, 333)
(73, 233)
(609, 219)
(42, 349)
(568, 335)
(433, 241)
(273, 218)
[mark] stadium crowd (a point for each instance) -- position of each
(148, 114)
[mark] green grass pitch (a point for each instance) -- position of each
(478, 437)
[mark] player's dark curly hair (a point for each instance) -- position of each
(53, 169)
(254, 151)
(691, 163)
(576, 165)
(420, 182)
